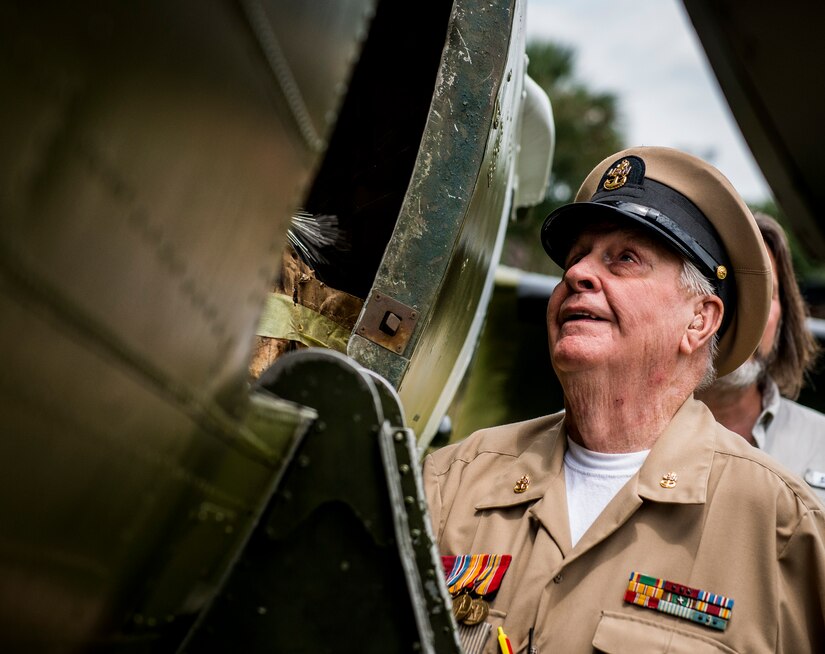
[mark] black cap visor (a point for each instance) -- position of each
(562, 227)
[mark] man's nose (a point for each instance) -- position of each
(583, 275)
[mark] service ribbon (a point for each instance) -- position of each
(480, 573)
(682, 601)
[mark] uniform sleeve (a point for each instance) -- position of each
(802, 585)
(432, 492)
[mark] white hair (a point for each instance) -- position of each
(695, 283)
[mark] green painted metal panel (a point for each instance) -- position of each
(343, 558)
(448, 236)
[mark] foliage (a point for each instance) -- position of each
(805, 266)
(587, 131)
(810, 272)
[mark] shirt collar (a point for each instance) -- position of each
(770, 408)
(685, 451)
(678, 467)
(541, 462)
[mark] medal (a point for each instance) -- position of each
(479, 609)
(461, 606)
(471, 577)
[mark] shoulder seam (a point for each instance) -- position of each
(774, 473)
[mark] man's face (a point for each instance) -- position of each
(619, 305)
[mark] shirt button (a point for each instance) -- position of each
(558, 578)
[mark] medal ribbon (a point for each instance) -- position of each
(480, 573)
(679, 589)
(696, 605)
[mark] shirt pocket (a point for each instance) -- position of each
(618, 633)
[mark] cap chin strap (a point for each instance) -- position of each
(690, 246)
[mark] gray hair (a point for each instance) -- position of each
(695, 283)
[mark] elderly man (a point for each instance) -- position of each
(757, 399)
(633, 521)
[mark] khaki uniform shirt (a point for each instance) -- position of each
(735, 523)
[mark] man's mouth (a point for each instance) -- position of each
(580, 315)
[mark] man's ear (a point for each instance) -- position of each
(707, 318)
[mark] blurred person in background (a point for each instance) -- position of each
(757, 399)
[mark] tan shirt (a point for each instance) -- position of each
(735, 523)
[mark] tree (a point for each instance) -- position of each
(805, 266)
(587, 131)
(810, 273)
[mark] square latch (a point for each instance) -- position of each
(390, 324)
(387, 322)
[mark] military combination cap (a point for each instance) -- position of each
(692, 208)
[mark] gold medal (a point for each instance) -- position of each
(478, 612)
(472, 577)
(461, 606)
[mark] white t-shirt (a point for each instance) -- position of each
(593, 479)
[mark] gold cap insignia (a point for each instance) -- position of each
(669, 480)
(617, 176)
(521, 484)
(721, 272)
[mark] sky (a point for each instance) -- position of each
(647, 53)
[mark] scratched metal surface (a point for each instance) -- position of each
(447, 239)
(152, 155)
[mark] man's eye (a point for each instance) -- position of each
(572, 261)
(627, 257)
